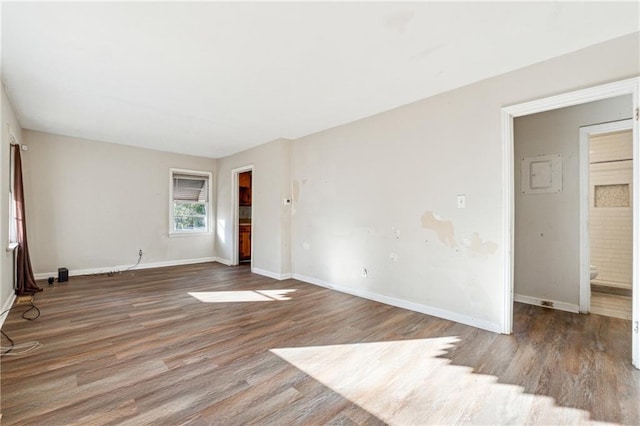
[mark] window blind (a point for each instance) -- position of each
(193, 188)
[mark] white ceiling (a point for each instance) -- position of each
(212, 79)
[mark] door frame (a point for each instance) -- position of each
(585, 243)
(235, 212)
(629, 86)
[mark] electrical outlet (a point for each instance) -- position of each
(140, 253)
(364, 272)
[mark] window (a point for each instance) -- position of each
(190, 209)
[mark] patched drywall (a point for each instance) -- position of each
(473, 245)
(547, 226)
(442, 228)
(479, 247)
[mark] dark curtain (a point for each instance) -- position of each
(26, 283)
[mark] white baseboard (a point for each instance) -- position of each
(118, 268)
(259, 271)
(561, 306)
(270, 274)
(400, 303)
(6, 306)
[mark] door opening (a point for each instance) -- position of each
(629, 86)
(606, 206)
(243, 211)
(244, 216)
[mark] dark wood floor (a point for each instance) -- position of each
(137, 348)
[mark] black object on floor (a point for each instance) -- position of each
(63, 275)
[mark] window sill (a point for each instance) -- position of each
(12, 246)
(189, 234)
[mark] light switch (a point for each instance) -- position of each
(462, 201)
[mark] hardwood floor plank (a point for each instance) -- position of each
(138, 348)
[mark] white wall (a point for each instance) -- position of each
(6, 267)
(271, 219)
(547, 226)
(92, 205)
(357, 184)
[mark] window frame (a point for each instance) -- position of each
(208, 205)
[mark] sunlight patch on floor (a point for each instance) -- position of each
(403, 382)
(241, 296)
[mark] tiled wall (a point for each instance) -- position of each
(610, 224)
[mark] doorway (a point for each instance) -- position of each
(243, 212)
(624, 87)
(606, 205)
(244, 216)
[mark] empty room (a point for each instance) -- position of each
(406, 213)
